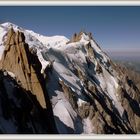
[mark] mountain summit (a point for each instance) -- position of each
(69, 86)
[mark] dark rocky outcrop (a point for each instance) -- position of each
(20, 111)
(69, 94)
(98, 68)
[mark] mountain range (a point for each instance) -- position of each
(56, 85)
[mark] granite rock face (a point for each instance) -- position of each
(25, 104)
(18, 59)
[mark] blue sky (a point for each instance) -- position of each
(114, 28)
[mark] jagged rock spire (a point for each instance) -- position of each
(18, 59)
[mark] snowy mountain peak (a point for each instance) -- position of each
(11, 25)
(47, 41)
(8, 24)
(87, 92)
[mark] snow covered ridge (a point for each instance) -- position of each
(32, 36)
(40, 42)
(88, 93)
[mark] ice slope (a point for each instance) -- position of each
(54, 41)
(66, 58)
(73, 55)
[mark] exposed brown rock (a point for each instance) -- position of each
(90, 50)
(130, 97)
(18, 59)
(99, 68)
(76, 37)
(69, 94)
(80, 74)
(91, 87)
(91, 112)
(98, 124)
(85, 111)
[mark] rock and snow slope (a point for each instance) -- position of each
(88, 92)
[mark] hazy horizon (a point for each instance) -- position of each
(124, 55)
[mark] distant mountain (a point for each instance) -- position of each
(57, 85)
(130, 64)
(132, 69)
(125, 54)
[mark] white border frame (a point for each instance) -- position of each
(69, 3)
